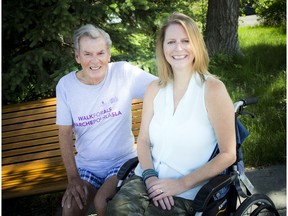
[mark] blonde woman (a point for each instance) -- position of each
(185, 114)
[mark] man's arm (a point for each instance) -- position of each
(76, 188)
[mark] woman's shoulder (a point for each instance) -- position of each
(213, 84)
(216, 93)
(152, 89)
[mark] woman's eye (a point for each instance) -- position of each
(170, 42)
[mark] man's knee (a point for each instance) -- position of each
(73, 210)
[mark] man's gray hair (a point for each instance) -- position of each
(92, 32)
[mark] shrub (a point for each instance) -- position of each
(271, 12)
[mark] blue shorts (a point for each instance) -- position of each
(95, 180)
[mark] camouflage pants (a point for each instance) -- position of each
(133, 200)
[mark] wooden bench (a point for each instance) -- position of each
(31, 158)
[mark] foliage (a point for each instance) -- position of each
(37, 38)
(261, 72)
(271, 12)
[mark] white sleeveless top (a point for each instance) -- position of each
(182, 141)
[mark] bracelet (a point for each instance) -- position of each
(149, 173)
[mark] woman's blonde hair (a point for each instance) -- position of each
(201, 60)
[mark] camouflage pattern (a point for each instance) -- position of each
(133, 200)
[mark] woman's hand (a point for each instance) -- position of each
(161, 191)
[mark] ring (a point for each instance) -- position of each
(161, 191)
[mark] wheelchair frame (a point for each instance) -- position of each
(237, 184)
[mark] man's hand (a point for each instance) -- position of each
(77, 190)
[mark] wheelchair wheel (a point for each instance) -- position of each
(257, 204)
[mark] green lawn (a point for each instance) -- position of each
(261, 72)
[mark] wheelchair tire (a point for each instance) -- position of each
(257, 204)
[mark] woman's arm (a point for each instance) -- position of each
(143, 141)
(222, 117)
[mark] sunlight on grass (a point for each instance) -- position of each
(260, 72)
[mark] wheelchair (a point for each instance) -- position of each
(238, 198)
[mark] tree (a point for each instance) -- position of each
(271, 13)
(37, 39)
(37, 36)
(221, 35)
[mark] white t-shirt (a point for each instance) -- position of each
(101, 115)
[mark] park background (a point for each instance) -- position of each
(37, 51)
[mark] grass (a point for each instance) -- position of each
(261, 72)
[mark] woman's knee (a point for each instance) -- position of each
(131, 198)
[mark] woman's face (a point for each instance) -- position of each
(94, 56)
(177, 48)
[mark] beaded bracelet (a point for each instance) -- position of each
(149, 173)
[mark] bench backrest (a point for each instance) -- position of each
(31, 158)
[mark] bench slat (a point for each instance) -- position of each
(31, 156)
(46, 187)
(31, 149)
(23, 125)
(32, 143)
(29, 118)
(28, 131)
(29, 137)
(28, 105)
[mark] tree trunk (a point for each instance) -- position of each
(221, 35)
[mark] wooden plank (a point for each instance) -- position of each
(27, 137)
(31, 165)
(28, 131)
(34, 175)
(40, 177)
(31, 157)
(28, 118)
(30, 143)
(29, 112)
(48, 187)
(38, 123)
(29, 105)
(30, 149)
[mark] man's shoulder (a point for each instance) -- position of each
(66, 78)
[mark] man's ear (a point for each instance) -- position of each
(77, 56)
(109, 53)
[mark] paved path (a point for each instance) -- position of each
(272, 182)
(248, 20)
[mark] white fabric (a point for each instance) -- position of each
(182, 141)
(101, 115)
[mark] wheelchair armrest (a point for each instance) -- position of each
(126, 168)
(210, 189)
